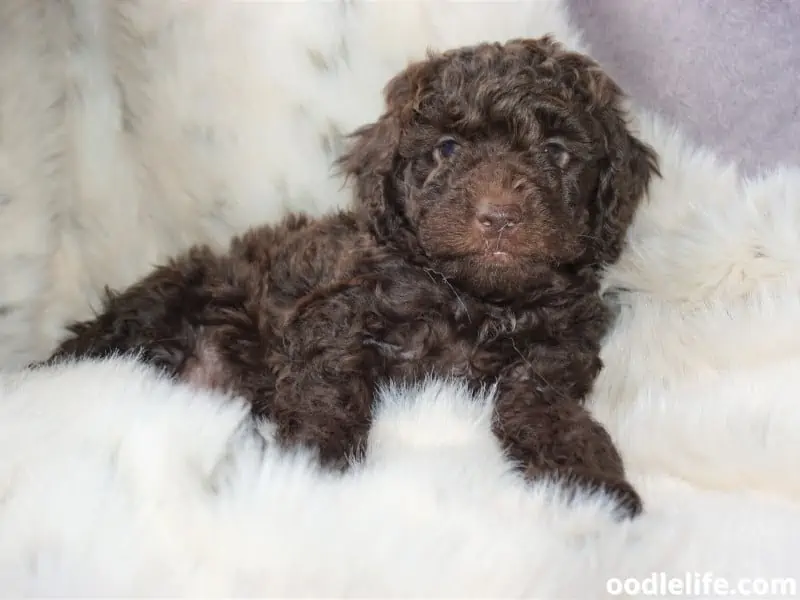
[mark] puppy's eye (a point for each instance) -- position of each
(557, 153)
(445, 149)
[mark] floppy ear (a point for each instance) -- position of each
(372, 159)
(630, 165)
(622, 185)
(370, 162)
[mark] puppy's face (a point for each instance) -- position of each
(495, 195)
(503, 162)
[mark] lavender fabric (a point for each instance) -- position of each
(728, 72)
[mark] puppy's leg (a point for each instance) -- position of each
(160, 318)
(324, 378)
(561, 440)
(326, 407)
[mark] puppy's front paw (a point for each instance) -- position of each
(576, 482)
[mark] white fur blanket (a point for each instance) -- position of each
(179, 122)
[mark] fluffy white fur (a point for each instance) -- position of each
(132, 129)
(118, 483)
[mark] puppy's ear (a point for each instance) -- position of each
(624, 179)
(373, 158)
(370, 162)
(630, 164)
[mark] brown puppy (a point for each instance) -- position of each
(499, 180)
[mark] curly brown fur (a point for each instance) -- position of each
(499, 180)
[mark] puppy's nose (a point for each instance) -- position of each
(493, 215)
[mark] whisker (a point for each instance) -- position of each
(500, 236)
(428, 270)
(561, 395)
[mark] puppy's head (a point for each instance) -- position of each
(498, 162)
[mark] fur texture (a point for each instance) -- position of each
(156, 495)
(499, 180)
(164, 490)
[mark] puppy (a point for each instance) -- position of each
(495, 186)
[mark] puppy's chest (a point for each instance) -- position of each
(433, 329)
(438, 343)
(412, 325)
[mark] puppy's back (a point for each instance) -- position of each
(302, 254)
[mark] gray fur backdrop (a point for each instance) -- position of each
(727, 71)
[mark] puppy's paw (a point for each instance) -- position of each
(576, 483)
